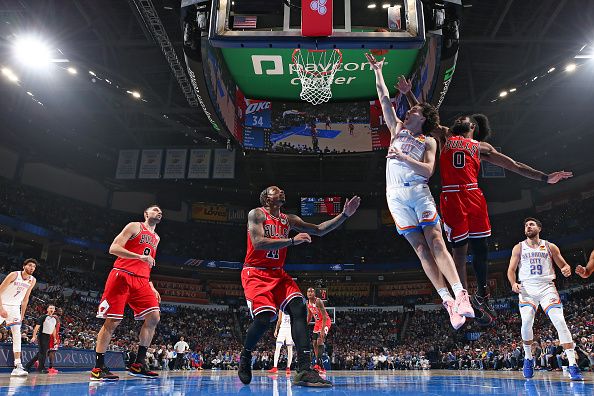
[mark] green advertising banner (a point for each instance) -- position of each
(270, 74)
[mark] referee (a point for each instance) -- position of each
(47, 323)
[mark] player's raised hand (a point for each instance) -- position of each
(566, 271)
(582, 271)
(300, 238)
(351, 205)
(396, 153)
(403, 85)
(516, 288)
(375, 64)
(558, 176)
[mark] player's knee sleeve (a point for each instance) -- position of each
(16, 337)
(480, 249)
(558, 320)
(297, 310)
(527, 313)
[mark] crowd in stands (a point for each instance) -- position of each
(89, 222)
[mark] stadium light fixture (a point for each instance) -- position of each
(513, 90)
(72, 70)
(136, 94)
(502, 94)
(9, 74)
(590, 56)
(371, 5)
(32, 52)
(570, 67)
(552, 69)
(385, 5)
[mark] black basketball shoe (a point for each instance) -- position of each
(310, 378)
(485, 312)
(245, 368)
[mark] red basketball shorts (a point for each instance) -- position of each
(318, 327)
(268, 289)
(465, 214)
(123, 288)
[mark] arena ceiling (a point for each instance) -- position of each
(503, 44)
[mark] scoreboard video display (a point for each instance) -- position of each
(314, 206)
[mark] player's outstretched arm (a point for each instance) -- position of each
(490, 154)
(405, 87)
(513, 267)
(256, 220)
(321, 229)
(392, 121)
(586, 271)
(559, 260)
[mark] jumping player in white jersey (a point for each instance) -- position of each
(14, 298)
(533, 259)
(409, 165)
(282, 332)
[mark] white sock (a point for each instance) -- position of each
(528, 351)
(571, 356)
(444, 293)
(17, 362)
(457, 288)
(277, 353)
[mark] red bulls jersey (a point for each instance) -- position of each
(315, 312)
(144, 243)
(275, 228)
(460, 162)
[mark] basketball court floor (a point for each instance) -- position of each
(353, 383)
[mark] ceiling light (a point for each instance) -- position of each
(552, 69)
(570, 67)
(372, 5)
(591, 56)
(385, 5)
(29, 93)
(32, 51)
(512, 90)
(72, 70)
(136, 94)
(9, 74)
(502, 94)
(92, 73)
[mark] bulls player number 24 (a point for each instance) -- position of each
(272, 254)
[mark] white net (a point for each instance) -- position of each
(316, 70)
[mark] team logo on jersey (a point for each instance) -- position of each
(284, 220)
(427, 215)
(543, 247)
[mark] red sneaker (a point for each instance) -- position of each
(288, 371)
(273, 370)
(317, 368)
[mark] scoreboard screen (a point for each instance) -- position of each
(313, 206)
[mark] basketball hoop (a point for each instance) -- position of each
(316, 70)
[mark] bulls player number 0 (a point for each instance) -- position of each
(459, 159)
(146, 251)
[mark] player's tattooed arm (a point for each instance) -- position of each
(321, 229)
(559, 260)
(586, 271)
(256, 220)
(513, 267)
(322, 309)
(490, 154)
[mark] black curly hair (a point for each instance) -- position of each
(482, 131)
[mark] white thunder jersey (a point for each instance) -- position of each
(399, 173)
(16, 290)
(285, 323)
(536, 264)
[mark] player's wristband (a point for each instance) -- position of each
(544, 178)
(292, 241)
(344, 214)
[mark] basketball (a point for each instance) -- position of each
(379, 51)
